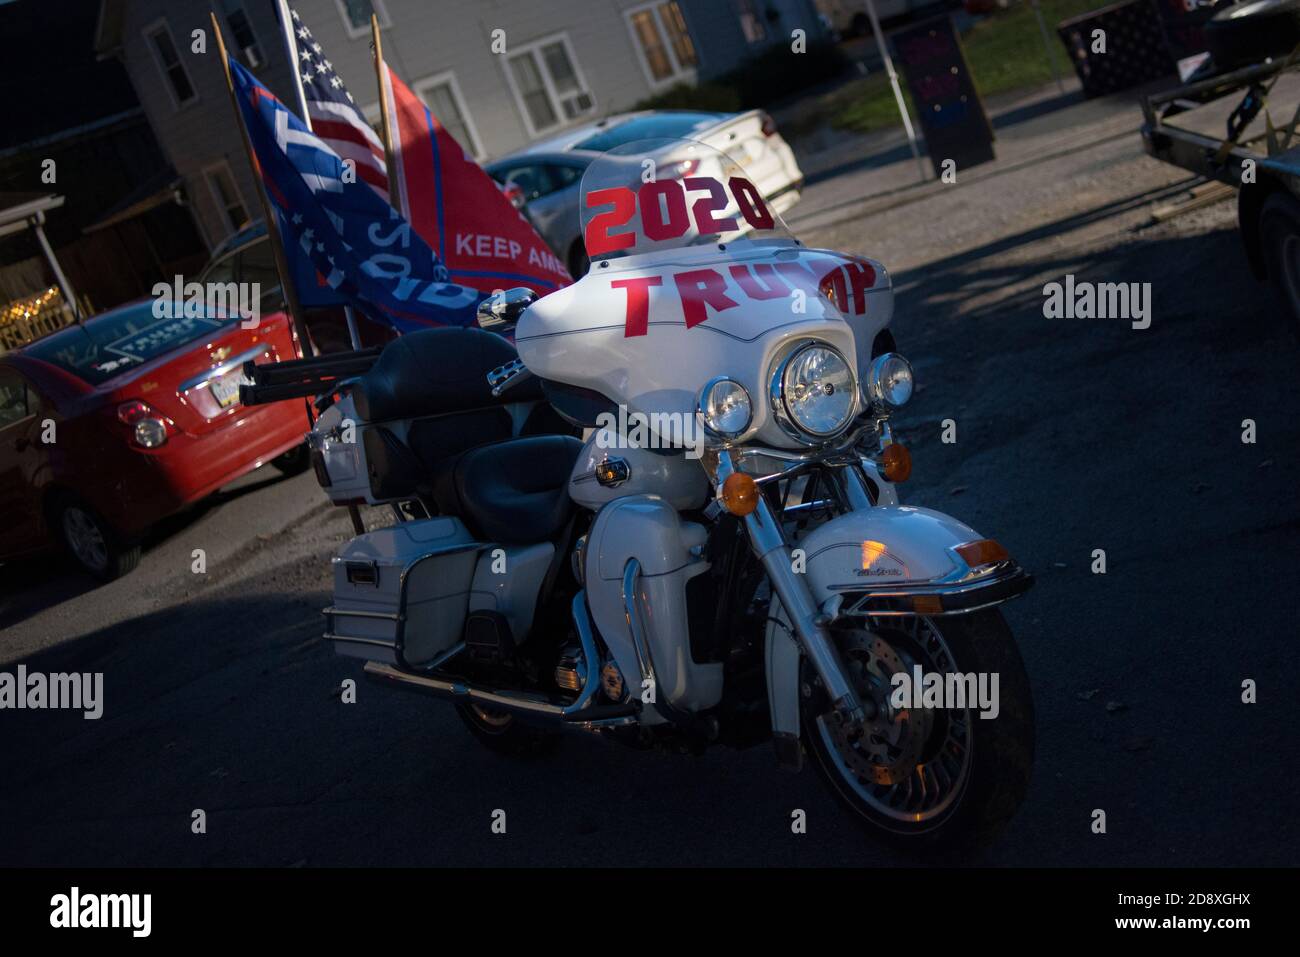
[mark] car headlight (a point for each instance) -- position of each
(725, 407)
(814, 394)
(150, 433)
(890, 380)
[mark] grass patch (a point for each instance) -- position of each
(1005, 52)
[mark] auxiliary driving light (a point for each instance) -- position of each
(725, 407)
(890, 380)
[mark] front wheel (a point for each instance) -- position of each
(928, 770)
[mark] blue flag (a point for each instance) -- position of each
(344, 243)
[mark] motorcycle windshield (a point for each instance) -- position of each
(662, 195)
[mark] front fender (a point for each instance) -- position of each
(903, 560)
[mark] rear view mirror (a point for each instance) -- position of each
(500, 311)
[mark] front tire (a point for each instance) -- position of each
(927, 776)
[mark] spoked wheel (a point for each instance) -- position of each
(925, 775)
(503, 733)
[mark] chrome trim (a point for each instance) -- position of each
(203, 378)
(704, 419)
(619, 471)
(348, 613)
(348, 639)
(1006, 582)
(635, 625)
(508, 376)
(804, 507)
(776, 396)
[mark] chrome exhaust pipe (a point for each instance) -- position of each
(463, 692)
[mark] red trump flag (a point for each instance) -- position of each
(458, 209)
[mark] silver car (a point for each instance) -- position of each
(547, 174)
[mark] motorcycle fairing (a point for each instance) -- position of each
(649, 331)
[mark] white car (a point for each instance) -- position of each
(547, 174)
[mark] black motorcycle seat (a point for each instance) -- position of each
(515, 492)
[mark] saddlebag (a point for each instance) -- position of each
(401, 593)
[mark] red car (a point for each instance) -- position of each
(110, 425)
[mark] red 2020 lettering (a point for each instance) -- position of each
(663, 211)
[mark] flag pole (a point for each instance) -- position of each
(272, 232)
(291, 45)
(394, 188)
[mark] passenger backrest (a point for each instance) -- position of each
(427, 399)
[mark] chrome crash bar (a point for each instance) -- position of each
(453, 689)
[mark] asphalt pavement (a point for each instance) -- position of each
(1072, 435)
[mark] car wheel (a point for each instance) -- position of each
(1279, 235)
(294, 462)
(92, 542)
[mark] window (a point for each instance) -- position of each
(356, 16)
(547, 84)
(660, 33)
(442, 96)
(257, 264)
(751, 21)
(165, 54)
(13, 399)
(242, 37)
(672, 125)
(538, 179)
(226, 195)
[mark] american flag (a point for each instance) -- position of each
(333, 113)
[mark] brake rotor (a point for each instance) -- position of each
(893, 739)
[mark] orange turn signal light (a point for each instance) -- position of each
(896, 462)
(739, 494)
(983, 552)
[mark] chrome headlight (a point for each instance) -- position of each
(890, 380)
(725, 407)
(814, 395)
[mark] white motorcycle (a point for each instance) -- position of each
(724, 559)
